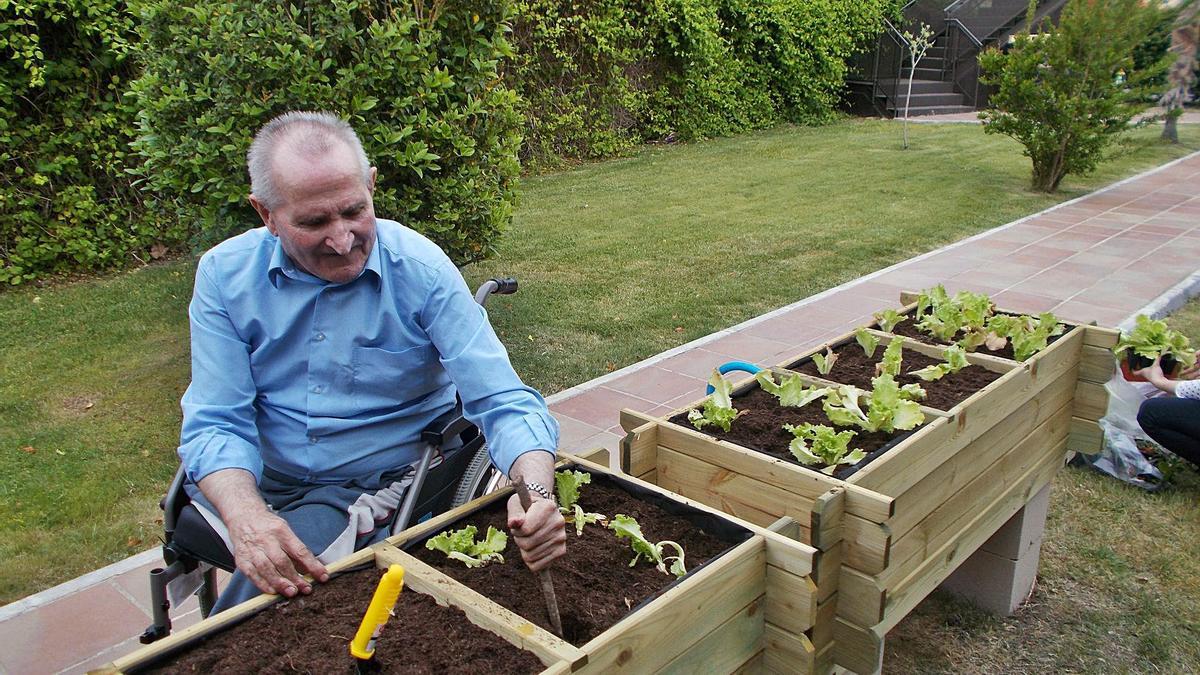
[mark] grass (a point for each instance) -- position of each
(1116, 589)
(617, 261)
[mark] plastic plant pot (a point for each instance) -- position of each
(1134, 361)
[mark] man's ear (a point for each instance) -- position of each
(264, 213)
(371, 183)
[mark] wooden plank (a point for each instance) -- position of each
(826, 520)
(822, 630)
(1059, 357)
(518, 631)
(786, 653)
(826, 571)
(890, 472)
(726, 648)
(1091, 401)
(949, 518)
(856, 648)
(675, 621)
(861, 598)
(1096, 364)
(1097, 336)
(640, 445)
(777, 472)
(937, 351)
(650, 477)
(824, 663)
(943, 562)
(791, 600)
(908, 299)
(782, 552)
(1085, 436)
(754, 666)
(597, 455)
(730, 492)
(867, 546)
(920, 500)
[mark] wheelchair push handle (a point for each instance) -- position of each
(732, 366)
(497, 286)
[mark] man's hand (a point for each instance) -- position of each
(541, 532)
(264, 546)
(271, 555)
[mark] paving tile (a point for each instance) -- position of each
(744, 347)
(1108, 295)
(599, 406)
(1060, 285)
(68, 631)
(790, 328)
(571, 431)
(1040, 255)
(974, 282)
(1082, 312)
(654, 384)
(1025, 302)
(696, 363)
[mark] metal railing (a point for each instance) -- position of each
(881, 69)
(962, 61)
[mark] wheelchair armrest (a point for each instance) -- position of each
(174, 501)
(445, 429)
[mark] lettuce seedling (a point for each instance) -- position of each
(628, 528)
(867, 341)
(1151, 339)
(792, 392)
(931, 299)
(820, 444)
(888, 319)
(975, 309)
(999, 327)
(1030, 336)
(460, 545)
(954, 360)
(718, 408)
(566, 485)
(825, 361)
(892, 359)
(884, 408)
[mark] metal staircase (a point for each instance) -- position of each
(947, 78)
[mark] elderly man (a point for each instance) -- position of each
(322, 344)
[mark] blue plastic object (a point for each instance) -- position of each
(731, 366)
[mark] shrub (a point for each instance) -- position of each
(419, 81)
(66, 201)
(1064, 94)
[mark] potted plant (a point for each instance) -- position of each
(1151, 339)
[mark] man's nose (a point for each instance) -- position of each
(342, 239)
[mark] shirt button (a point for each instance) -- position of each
(318, 389)
(319, 337)
(312, 439)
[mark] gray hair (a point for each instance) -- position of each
(311, 133)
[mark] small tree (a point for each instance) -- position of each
(1182, 73)
(918, 44)
(1065, 93)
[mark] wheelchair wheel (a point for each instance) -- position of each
(479, 479)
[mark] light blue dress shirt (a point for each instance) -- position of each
(334, 382)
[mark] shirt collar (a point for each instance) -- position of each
(281, 264)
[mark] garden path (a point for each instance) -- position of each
(1099, 258)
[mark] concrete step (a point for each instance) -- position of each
(919, 86)
(937, 110)
(929, 100)
(922, 73)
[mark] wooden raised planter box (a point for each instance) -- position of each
(891, 532)
(716, 619)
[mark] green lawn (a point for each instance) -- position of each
(612, 258)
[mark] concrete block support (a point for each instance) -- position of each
(999, 576)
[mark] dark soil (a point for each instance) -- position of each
(760, 428)
(311, 634)
(593, 583)
(854, 367)
(909, 329)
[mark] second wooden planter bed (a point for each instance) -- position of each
(889, 533)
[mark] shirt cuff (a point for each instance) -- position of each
(529, 433)
(213, 451)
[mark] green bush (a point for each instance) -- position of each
(1064, 94)
(66, 201)
(418, 81)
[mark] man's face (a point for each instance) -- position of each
(325, 220)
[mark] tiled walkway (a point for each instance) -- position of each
(1100, 257)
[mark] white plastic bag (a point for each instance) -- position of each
(1120, 456)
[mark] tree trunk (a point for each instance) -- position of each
(1170, 130)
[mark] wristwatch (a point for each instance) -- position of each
(540, 489)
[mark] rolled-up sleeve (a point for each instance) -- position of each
(218, 407)
(1188, 389)
(513, 416)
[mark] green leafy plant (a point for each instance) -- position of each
(888, 319)
(867, 340)
(824, 362)
(460, 545)
(628, 528)
(893, 358)
(1030, 335)
(884, 408)
(955, 359)
(566, 486)
(1151, 339)
(718, 409)
(791, 391)
(821, 444)
(1064, 94)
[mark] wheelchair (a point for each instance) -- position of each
(193, 551)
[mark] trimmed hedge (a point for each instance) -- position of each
(421, 89)
(434, 87)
